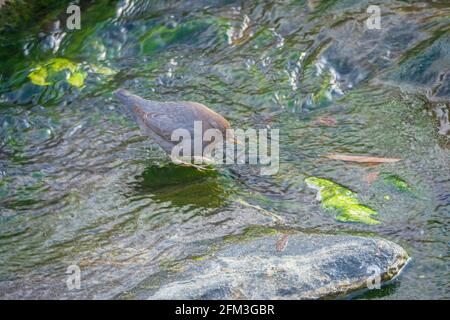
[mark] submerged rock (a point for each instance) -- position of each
(337, 198)
(75, 77)
(396, 182)
(303, 267)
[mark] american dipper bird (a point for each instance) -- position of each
(159, 119)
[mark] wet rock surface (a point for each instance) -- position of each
(295, 266)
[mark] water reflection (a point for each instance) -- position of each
(183, 186)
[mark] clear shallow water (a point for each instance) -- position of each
(80, 185)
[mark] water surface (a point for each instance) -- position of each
(80, 185)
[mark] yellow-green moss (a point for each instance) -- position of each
(39, 76)
(76, 79)
(338, 198)
(396, 182)
(59, 64)
(75, 73)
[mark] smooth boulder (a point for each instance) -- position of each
(293, 266)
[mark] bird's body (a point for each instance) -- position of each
(160, 119)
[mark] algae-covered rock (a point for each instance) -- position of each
(323, 96)
(77, 79)
(335, 197)
(396, 182)
(304, 267)
(59, 64)
(62, 69)
(357, 213)
(50, 72)
(39, 76)
(395, 187)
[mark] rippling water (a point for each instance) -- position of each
(80, 185)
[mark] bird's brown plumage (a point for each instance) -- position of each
(160, 119)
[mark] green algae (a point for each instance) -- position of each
(59, 69)
(198, 258)
(339, 200)
(319, 183)
(39, 76)
(50, 72)
(77, 79)
(59, 64)
(323, 96)
(103, 70)
(335, 197)
(396, 182)
(357, 213)
(393, 186)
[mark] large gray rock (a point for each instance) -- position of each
(297, 266)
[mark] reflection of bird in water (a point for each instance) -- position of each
(160, 119)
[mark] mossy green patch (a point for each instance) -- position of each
(103, 70)
(39, 76)
(198, 258)
(62, 69)
(59, 64)
(76, 79)
(396, 182)
(339, 200)
(319, 183)
(357, 213)
(53, 69)
(335, 197)
(323, 96)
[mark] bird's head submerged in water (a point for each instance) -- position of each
(127, 98)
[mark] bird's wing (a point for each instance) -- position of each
(210, 118)
(176, 115)
(161, 124)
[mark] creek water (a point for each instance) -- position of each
(80, 185)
